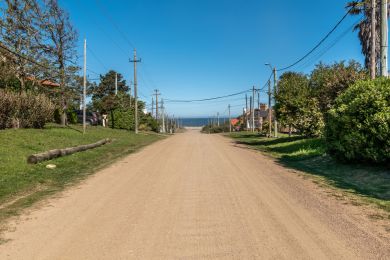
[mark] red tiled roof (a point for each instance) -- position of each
(45, 82)
(234, 121)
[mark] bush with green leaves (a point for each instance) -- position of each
(358, 127)
(148, 123)
(309, 121)
(296, 106)
(24, 110)
(124, 119)
(213, 129)
(121, 119)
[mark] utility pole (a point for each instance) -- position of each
(246, 110)
(250, 113)
(275, 90)
(259, 112)
(384, 38)
(230, 120)
(116, 83)
(269, 109)
(243, 116)
(253, 109)
(152, 107)
(134, 60)
(162, 116)
(217, 118)
(85, 87)
(373, 39)
(156, 94)
(131, 83)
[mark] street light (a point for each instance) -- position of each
(273, 69)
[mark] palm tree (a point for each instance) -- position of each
(363, 7)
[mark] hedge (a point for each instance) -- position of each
(358, 127)
(24, 110)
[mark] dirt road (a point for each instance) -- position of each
(195, 196)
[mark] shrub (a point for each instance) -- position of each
(309, 121)
(358, 127)
(72, 116)
(148, 123)
(265, 128)
(121, 119)
(24, 110)
(7, 108)
(215, 129)
(124, 119)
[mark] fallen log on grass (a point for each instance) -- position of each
(39, 157)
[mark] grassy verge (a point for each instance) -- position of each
(22, 184)
(372, 183)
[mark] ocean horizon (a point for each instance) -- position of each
(199, 121)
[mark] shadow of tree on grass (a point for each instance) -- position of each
(309, 155)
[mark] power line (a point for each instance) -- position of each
(320, 42)
(24, 57)
(30, 60)
(105, 12)
(97, 58)
(205, 99)
(328, 47)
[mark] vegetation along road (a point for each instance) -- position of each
(197, 196)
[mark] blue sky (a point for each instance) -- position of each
(193, 49)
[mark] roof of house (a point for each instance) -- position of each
(44, 82)
(234, 121)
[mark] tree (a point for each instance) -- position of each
(363, 7)
(20, 33)
(107, 85)
(292, 94)
(329, 81)
(295, 105)
(59, 43)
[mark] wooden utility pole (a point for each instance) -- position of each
(384, 38)
(259, 112)
(275, 91)
(246, 111)
(131, 83)
(85, 87)
(243, 116)
(152, 107)
(373, 40)
(250, 113)
(230, 120)
(156, 94)
(162, 116)
(253, 109)
(269, 110)
(116, 83)
(134, 60)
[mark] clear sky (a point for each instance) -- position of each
(193, 49)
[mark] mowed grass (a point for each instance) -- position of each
(31, 182)
(309, 155)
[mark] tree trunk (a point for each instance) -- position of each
(36, 158)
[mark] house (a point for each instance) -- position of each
(44, 83)
(260, 117)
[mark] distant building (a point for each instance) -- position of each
(44, 83)
(260, 114)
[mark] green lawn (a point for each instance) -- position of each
(308, 155)
(30, 182)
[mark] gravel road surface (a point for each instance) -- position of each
(196, 196)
